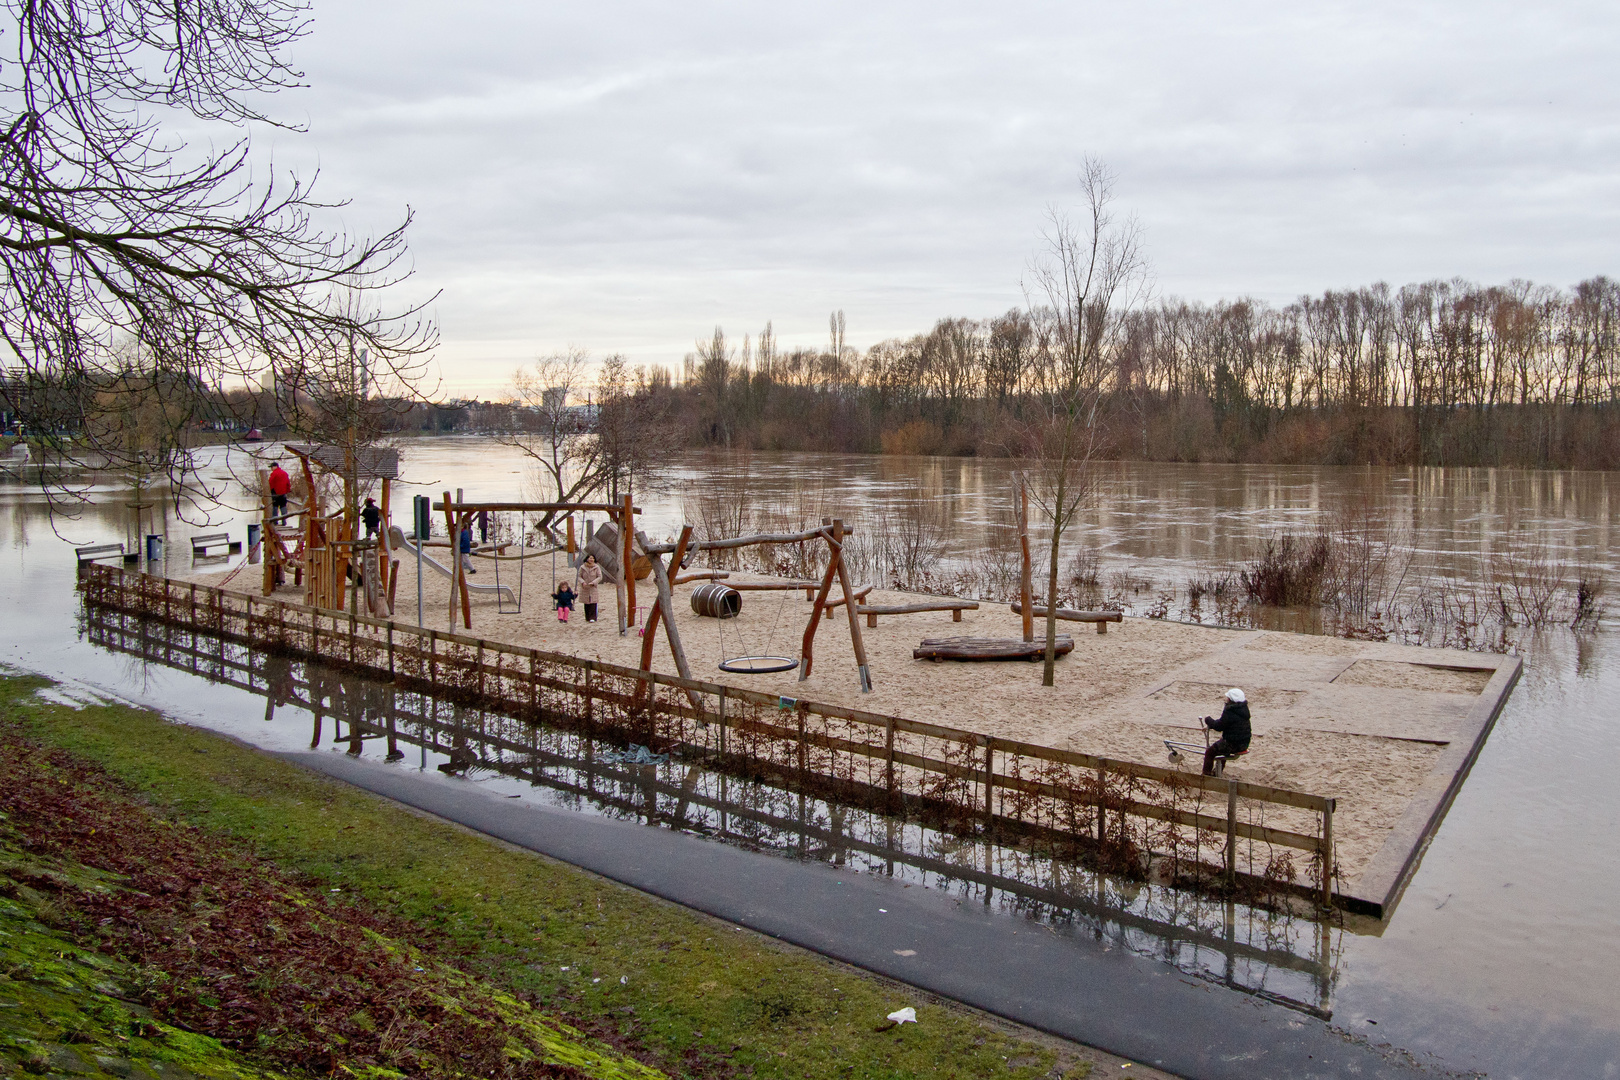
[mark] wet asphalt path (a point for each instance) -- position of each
(1070, 986)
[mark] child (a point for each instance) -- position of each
(564, 597)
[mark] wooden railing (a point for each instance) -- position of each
(1197, 828)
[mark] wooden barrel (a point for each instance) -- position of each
(717, 600)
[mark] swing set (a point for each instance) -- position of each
(633, 544)
(759, 661)
(459, 515)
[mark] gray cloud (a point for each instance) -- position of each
(623, 176)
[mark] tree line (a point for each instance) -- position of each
(1437, 373)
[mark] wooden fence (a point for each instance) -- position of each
(1129, 816)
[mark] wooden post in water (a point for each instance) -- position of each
(1026, 585)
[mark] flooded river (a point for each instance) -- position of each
(1502, 957)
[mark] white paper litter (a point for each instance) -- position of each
(907, 1015)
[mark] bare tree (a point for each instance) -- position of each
(558, 435)
(634, 428)
(133, 261)
(1091, 270)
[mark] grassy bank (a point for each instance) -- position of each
(683, 993)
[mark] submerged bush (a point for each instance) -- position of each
(1290, 572)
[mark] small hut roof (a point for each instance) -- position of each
(371, 462)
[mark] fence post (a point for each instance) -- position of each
(1231, 834)
(722, 722)
(888, 755)
(433, 661)
(1102, 809)
(193, 605)
(802, 765)
(989, 778)
(1327, 853)
(391, 674)
(534, 685)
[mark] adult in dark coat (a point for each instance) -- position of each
(1234, 728)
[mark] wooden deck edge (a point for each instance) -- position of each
(1381, 885)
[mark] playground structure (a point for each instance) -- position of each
(398, 541)
(618, 544)
(325, 551)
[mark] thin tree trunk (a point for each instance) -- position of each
(1048, 677)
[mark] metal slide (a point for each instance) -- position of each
(398, 540)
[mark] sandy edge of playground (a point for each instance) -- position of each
(1099, 704)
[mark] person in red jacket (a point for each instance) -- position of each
(280, 485)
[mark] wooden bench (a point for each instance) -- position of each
(1101, 618)
(978, 648)
(98, 551)
(203, 541)
(955, 607)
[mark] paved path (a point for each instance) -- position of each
(1114, 1000)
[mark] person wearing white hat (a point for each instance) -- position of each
(1234, 728)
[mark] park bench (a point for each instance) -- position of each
(98, 551)
(203, 541)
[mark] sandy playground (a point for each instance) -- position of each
(1360, 721)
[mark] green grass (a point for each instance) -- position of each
(705, 998)
(68, 1011)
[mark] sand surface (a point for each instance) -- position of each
(1359, 721)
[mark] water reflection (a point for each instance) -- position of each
(1282, 957)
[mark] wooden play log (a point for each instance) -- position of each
(807, 647)
(627, 521)
(1101, 618)
(978, 648)
(664, 607)
(746, 541)
(860, 594)
(701, 575)
(861, 665)
(955, 607)
(768, 586)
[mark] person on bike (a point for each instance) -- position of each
(1234, 728)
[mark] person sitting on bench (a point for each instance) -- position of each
(1234, 728)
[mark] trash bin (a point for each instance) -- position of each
(154, 547)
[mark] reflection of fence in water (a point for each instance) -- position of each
(1263, 952)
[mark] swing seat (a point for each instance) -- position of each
(758, 665)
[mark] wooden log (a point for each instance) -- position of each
(978, 648)
(664, 606)
(627, 522)
(860, 594)
(807, 648)
(508, 507)
(745, 541)
(955, 607)
(701, 575)
(773, 586)
(1101, 618)
(861, 666)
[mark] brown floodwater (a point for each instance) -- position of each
(1503, 955)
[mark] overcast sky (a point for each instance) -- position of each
(625, 176)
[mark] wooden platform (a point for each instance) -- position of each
(982, 648)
